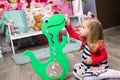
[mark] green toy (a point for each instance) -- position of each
(57, 66)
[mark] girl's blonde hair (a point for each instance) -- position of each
(96, 33)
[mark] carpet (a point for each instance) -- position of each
(43, 53)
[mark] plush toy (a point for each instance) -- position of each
(55, 9)
(38, 22)
(13, 28)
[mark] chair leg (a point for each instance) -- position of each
(1, 52)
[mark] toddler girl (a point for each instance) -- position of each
(94, 65)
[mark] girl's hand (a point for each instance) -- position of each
(67, 21)
(88, 61)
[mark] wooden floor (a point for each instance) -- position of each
(10, 71)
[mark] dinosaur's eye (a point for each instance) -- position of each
(46, 20)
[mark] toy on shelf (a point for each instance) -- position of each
(38, 22)
(55, 9)
(57, 66)
(13, 28)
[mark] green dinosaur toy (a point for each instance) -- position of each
(57, 66)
